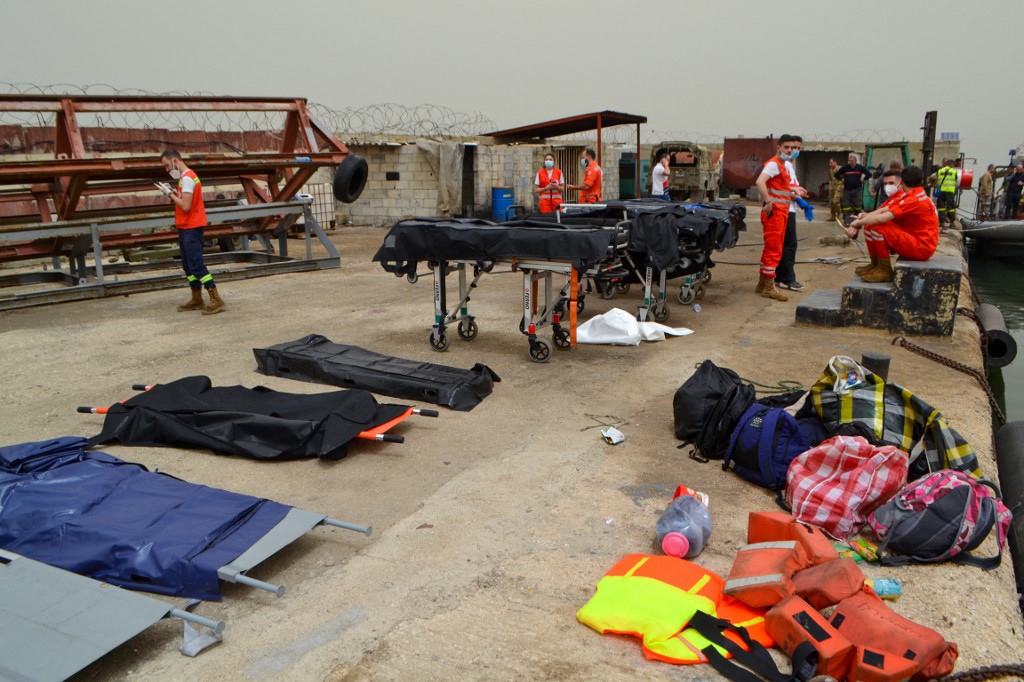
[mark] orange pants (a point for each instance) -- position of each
(774, 234)
(881, 239)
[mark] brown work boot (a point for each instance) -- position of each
(760, 284)
(770, 290)
(216, 304)
(883, 273)
(867, 267)
(195, 304)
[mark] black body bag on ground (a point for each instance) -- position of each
(253, 422)
(315, 358)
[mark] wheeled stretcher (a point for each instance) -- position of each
(550, 257)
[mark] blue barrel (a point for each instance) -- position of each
(502, 199)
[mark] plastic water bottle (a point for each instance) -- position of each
(683, 530)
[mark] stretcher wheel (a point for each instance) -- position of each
(580, 305)
(539, 351)
(685, 295)
(706, 277)
(699, 291)
(660, 312)
(468, 329)
(622, 287)
(412, 277)
(561, 339)
(605, 289)
(439, 343)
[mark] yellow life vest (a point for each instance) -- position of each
(654, 598)
(947, 179)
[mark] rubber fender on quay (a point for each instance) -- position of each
(350, 178)
(1000, 348)
(1010, 461)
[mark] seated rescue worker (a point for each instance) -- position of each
(908, 225)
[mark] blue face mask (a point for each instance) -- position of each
(785, 157)
(584, 161)
(549, 164)
(796, 153)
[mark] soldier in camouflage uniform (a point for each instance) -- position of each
(835, 190)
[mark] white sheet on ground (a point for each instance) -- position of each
(617, 327)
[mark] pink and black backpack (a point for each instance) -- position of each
(941, 517)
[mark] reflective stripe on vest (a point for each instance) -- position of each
(778, 186)
(947, 179)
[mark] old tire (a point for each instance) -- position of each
(350, 178)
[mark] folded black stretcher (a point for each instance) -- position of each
(315, 358)
(253, 422)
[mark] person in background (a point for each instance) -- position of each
(190, 219)
(908, 225)
(659, 178)
(986, 187)
(785, 274)
(590, 188)
(945, 181)
(1014, 185)
(835, 191)
(773, 186)
(548, 185)
(877, 183)
(853, 175)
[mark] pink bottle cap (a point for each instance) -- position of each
(675, 544)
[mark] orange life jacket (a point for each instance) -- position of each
(779, 190)
(550, 199)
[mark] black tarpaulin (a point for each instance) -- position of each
(315, 358)
(96, 515)
(435, 239)
(253, 422)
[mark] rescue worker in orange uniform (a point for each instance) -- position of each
(893, 188)
(190, 219)
(590, 188)
(548, 185)
(909, 226)
(773, 185)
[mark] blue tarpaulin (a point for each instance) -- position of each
(116, 521)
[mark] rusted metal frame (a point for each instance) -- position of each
(24, 172)
(333, 142)
(305, 128)
(92, 104)
(70, 196)
(599, 144)
(69, 135)
(295, 183)
(254, 194)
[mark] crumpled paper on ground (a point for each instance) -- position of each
(619, 328)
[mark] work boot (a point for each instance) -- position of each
(195, 304)
(867, 267)
(770, 291)
(760, 284)
(216, 304)
(883, 273)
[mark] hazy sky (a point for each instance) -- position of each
(818, 67)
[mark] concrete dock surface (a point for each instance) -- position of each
(492, 527)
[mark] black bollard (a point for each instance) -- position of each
(876, 363)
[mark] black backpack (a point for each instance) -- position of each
(695, 400)
(713, 440)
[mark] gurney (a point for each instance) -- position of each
(102, 517)
(53, 622)
(664, 239)
(539, 250)
(259, 423)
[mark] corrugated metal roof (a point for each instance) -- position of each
(567, 126)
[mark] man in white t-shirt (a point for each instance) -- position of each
(785, 276)
(659, 178)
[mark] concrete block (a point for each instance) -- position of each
(822, 308)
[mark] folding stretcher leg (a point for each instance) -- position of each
(438, 338)
(646, 305)
(692, 287)
(539, 351)
(661, 306)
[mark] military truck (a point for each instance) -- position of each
(692, 172)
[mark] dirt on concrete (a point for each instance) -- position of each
(493, 526)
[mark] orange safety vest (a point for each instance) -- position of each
(550, 199)
(654, 598)
(196, 216)
(779, 190)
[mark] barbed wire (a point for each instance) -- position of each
(385, 119)
(391, 119)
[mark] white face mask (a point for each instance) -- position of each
(175, 173)
(891, 189)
